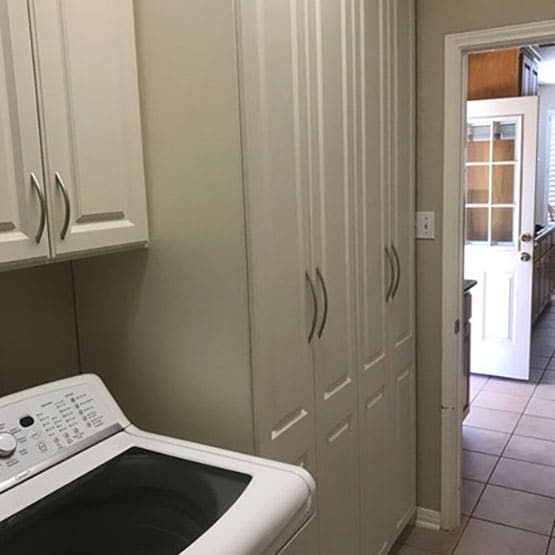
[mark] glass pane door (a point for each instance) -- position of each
(493, 181)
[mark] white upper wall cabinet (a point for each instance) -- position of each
(23, 225)
(88, 91)
(70, 69)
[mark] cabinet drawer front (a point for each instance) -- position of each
(87, 77)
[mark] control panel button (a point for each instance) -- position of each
(8, 444)
(26, 421)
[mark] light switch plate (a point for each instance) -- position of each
(425, 225)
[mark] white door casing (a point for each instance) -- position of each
(23, 225)
(88, 96)
(457, 46)
(500, 217)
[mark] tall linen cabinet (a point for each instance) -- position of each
(303, 145)
(327, 110)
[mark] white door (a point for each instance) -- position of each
(402, 299)
(334, 68)
(23, 224)
(88, 92)
(499, 249)
(282, 286)
(374, 281)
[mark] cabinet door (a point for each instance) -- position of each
(88, 93)
(273, 78)
(401, 311)
(335, 118)
(374, 280)
(23, 232)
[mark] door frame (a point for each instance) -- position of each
(457, 46)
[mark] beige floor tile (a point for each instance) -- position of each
(500, 401)
(510, 387)
(535, 375)
(542, 348)
(545, 391)
(516, 508)
(409, 550)
(531, 450)
(541, 407)
(477, 466)
(538, 362)
(477, 384)
(546, 387)
(549, 376)
(526, 476)
(430, 541)
(484, 441)
(496, 420)
(470, 494)
(533, 426)
(551, 548)
(486, 538)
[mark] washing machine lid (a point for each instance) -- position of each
(149, 495)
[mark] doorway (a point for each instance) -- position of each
(457, 49)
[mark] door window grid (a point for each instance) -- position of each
(489, 217)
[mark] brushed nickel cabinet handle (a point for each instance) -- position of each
(315, 303)
(42, 199)
(67, 203)
(397, 281)
(392, 275)
(325, 290)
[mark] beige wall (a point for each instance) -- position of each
(38, 340)
(435, 19)
(167, 328)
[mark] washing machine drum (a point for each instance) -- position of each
(139, 503)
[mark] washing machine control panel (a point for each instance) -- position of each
(41, 430)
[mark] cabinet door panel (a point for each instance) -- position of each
(374, 279)
(273, 81)
(20, 156)
(402, 238)
(334, 62)
(89, 96)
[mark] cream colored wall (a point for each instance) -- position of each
(38, 340)
(435, 19)
(167, 328)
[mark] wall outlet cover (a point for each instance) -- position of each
(425, 225)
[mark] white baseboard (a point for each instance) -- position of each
(426, 518)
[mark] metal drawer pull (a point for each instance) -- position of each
(396, 255)
(392, 275)
(62, 187)
(325, 290)
(42, 199)
(315, 302)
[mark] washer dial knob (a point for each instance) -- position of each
(8, 444)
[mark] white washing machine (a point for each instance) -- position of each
(77, 477)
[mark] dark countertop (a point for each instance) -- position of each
(469, 284)
(543, 232)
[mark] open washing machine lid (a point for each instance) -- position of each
(133, 492)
